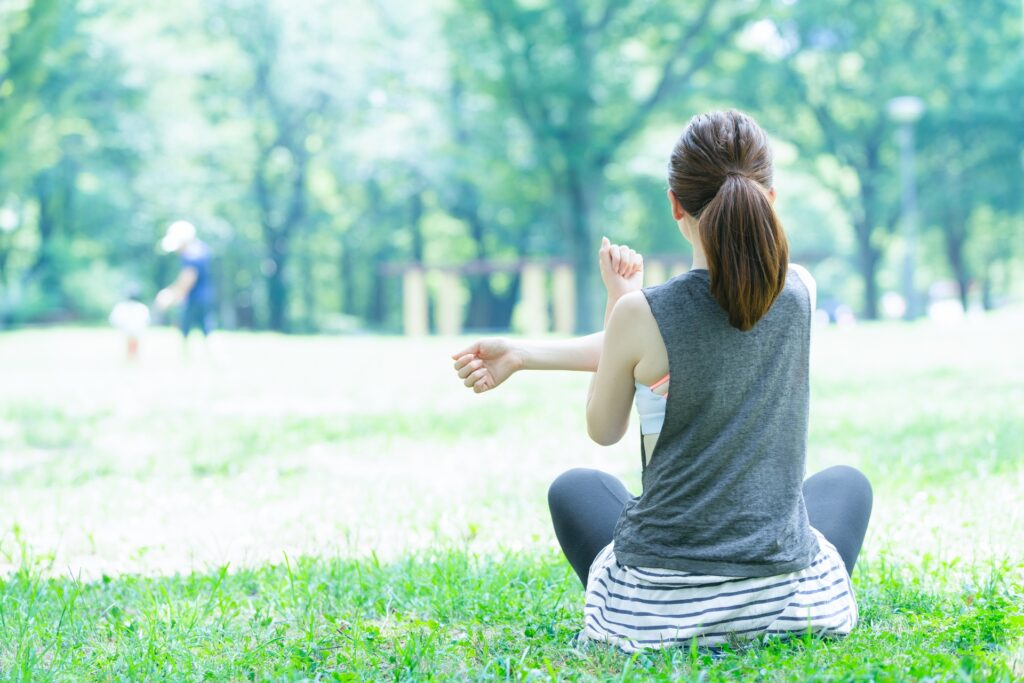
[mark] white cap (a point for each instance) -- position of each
(179, 233)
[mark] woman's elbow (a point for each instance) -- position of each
(602, 435)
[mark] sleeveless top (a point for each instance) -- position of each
(722, 491)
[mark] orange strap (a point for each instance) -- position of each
(659, 382)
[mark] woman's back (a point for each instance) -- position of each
(722, 488)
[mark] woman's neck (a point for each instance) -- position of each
(699, 260)
(690, 231)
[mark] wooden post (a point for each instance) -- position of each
(564, 291)
(449, 305)
(654, 273)
(533, 309)
(414, 302)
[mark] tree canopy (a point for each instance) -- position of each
(321, 147)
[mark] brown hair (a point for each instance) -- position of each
(721, 172)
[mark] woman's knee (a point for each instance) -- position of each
(854, 480)
(851, 481)
(568, 484)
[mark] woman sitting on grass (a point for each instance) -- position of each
(727, 540)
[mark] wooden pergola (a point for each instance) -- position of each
(547, 292)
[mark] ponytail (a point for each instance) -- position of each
(746, 250)
(720, 172)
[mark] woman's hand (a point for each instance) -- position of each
(487, 363)
(622, 269)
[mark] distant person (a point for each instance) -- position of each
(193, 287)
(131, 318)
(727, 540)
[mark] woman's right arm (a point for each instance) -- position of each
(488, 362)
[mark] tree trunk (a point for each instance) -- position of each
(867, 263)
(581, 252)
(5, 297)
(345, 279)
(868, 255)
(481, 312)
(986, 287)
(502, 305)
(43, 269)
(277, 288)
(376, 311)
(955, 239)
(415, 225)
(485, 310)
(954, 232)
(308, 285)
(5, 253)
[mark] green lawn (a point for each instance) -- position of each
(343, 509)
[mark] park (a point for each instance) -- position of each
(331, 200)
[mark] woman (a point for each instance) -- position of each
(727, 540)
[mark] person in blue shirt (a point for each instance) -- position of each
(193, 287)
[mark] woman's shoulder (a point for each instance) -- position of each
(692, 280)
(633, 306)
(804, 274)
(633, 318)
(807, 280)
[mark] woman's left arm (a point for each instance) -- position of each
(610, 398)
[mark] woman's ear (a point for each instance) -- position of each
(677, 209)
(771, 195)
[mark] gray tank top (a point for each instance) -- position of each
(723, 489)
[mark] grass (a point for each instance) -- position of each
(341, 509)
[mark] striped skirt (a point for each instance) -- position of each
(636, 608)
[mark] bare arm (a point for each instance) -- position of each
(177, 290)
(488, 362)
(580, 353)
(610, 398)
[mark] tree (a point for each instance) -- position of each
(286, 97)
(972, 141)
(60, 123)
(826, 74)
(583, 79)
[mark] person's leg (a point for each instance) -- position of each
(585, 505)
(838, 502)
(187, 315)
(206, 318)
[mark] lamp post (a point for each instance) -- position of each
(906, 111)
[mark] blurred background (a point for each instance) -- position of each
(452, 164)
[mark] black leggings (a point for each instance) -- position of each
(585, 505)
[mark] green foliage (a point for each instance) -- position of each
(315, 144)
